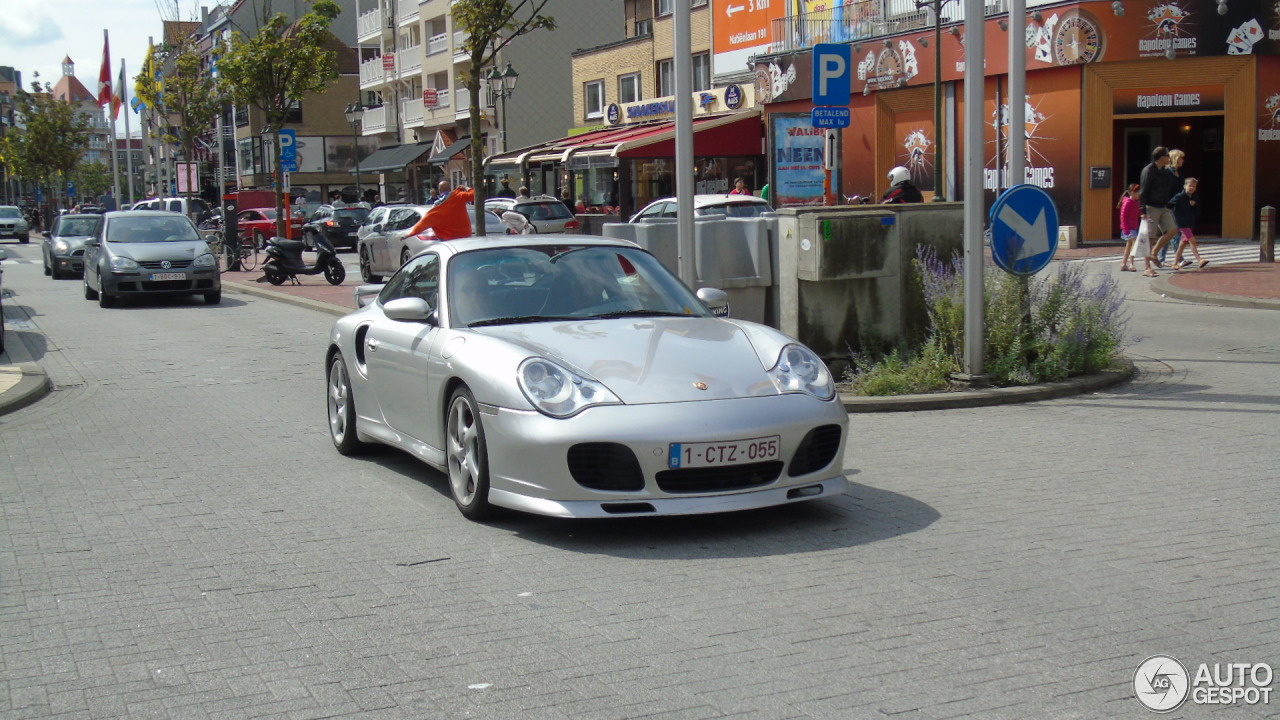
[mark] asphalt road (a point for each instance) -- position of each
(178, 539)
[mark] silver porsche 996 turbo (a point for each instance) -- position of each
(575, 376)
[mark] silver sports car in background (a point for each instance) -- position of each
(577, 377)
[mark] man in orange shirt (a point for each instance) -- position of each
(448, 218)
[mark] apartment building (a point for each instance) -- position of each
(413, 86)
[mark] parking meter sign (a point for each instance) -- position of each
(832, 74)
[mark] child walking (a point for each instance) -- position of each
(1130, 216)
(1186, 208)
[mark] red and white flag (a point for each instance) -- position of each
(104, 75)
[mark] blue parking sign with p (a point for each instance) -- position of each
(832, 74)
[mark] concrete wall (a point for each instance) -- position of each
(845, 279)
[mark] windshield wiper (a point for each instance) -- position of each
(641, 313)
(522, 319)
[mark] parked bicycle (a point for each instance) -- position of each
(245, 252)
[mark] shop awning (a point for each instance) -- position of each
(449, 153)
(724, 135)
(392, 158)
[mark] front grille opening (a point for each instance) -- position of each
(633, 508)
(719, 478)
(816, 450)
(605, 466)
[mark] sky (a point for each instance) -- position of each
(35, 35)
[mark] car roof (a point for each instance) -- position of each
(142, 213)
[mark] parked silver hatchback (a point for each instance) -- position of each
(147, 252)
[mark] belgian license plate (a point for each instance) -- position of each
(728, 452)
(168, 276)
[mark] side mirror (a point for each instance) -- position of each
(716, 300)
(408, 310)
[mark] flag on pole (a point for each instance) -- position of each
(104, 75)
(117, 94)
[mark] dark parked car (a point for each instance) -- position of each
(338, 225)
(149, 252)
(63, 248)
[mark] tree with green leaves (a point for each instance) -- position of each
(48, 141)
(275, 69)
(92, 179)
(490, 26)
(194, 97)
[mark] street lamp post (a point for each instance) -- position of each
(354, 112)
(502, 84)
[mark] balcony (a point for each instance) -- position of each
(438, 44)
(410, 60)
(411, 112)
(463, 104)
(374, 121)
(370, 25)
(371, 73)
(406, 11)
(460, 55)
(866, 19)
(442, 102)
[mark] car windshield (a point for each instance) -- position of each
(79, 226)
(149, 229)
(737, 209)
(357, 214)
(500, 286)
(9, 212)
(544, 210)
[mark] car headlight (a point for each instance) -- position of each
(558, 392)
(21, 226)
(123, 264)
(205, 261)
(798, 369)
(60, 246)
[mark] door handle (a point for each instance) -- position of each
(372, 345)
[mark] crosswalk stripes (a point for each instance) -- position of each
(1215, 253)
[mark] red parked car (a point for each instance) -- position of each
(260, 223)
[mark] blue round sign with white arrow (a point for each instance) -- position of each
(1024, 230)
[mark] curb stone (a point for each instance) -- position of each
(33, 383)
(1162, 286)
(989, 396)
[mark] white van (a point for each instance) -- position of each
(195, 208)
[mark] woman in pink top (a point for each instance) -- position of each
(1130, 216)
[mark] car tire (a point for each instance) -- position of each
(366, 268)
(48, 271)
(105, 299)
(213, 298)
(89, 293)
(24, 239)
(342, 409)
(468, 456)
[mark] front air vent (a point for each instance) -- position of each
(605, 466)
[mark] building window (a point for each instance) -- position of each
(644, 27)
(701, 72)
(593, 98)
(666, 79)
(663, 7)
(629, 88)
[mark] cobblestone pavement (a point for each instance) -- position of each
(178, 539)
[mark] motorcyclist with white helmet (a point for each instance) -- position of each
(901, 189)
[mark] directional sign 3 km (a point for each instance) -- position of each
(1024, 230)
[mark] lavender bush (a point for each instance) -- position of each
(1073, 328)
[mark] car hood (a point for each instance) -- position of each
(652, 360)
(146, 252)
(72, 241)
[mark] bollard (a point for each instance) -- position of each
(1267, 235)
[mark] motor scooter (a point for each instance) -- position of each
(284, 261)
